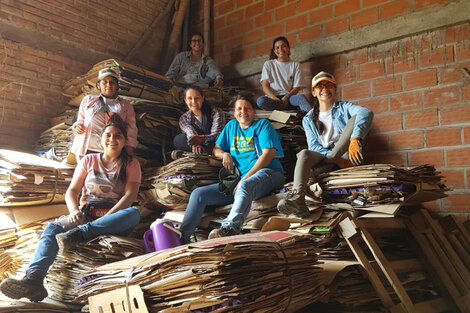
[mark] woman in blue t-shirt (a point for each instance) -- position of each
(251, 146)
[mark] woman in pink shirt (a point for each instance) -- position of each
(111, 182)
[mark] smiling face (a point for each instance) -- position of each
(113, 140)
(108, 87)
(325, 91)
(193, 100)
(244, 113)
(281, 50)
(196, 43)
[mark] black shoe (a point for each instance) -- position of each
(222, 232)
(294, 203)
(69, 239)
(28, 287)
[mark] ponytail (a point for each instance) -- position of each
(316, 112)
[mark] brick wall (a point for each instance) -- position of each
(31, 79)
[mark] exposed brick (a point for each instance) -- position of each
(466, 135)
(321, 14)
(356, 91)
(457, 157)
(365, 18)
(438, 56)
(223, 59)
(307, 5)
(273, 31)
(376, 104)
(441, 96)
(453, 178)
(324, 2)
(244, 27)
(421, 79)
(264, 19)
(369, 3)
(224, 8)
(387, 122)
(253, 36)
(396, 158)
(234, 43)
(419, 4)
(254, 9)
(424, 118)
(386, 85)
(241, 3)
(406, 101)
(310, 33)
(465, 91)
(450, 75)
(242, 54)
(400, 65)
(457, 202)
(347, 7)
(456, 34)
(234, 17)
(224, 33)
(462, 53)
(337, 26)
(285, 12)
(23, 22)
(455, 114)
(219, 22)
(263, 47)
(371, 70)
(394, 8)
(424, 156)
(272, 4)
(377, 144)
(296, 23)
(406, 140)
(443, 137)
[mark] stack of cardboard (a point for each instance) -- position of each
(27, 179)
(273, 272)
(55, 142)
(134, 81)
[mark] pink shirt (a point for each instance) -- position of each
(101, 183)
(88, 107)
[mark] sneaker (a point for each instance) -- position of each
(222, 232)
(294, 203)
(69, 239)
(176, 154)
(28, 287)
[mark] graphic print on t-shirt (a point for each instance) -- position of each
(101, 186)
(242, 143)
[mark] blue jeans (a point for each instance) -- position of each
(259, 185)
(121, 222)
(297, 101)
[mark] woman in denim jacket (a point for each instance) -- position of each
(333, 129)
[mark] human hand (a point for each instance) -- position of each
(285, 101)
(227, 161)
(218, 82)
(78, 128)
(197, 140)
(355, 151)
(197, 149)
(76, 217)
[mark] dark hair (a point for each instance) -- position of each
(124, 158)
(243, 95)
(191, 37)
(316, 112)
(272, 55)
(206, 120)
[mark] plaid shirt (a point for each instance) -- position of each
(191, 126)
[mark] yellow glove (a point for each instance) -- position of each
(355, 151)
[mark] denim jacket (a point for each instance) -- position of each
(341, 112)
(208, 71)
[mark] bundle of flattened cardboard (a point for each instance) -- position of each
(27, 179)
(273, 271)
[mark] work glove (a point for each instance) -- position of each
(355, 151)
(198, 149)
(197, 140)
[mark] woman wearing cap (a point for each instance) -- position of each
(95, 112)
(251, 147)
(200, 125)
(112, 178)
(193, 67)
(280, 80)
(332, 129)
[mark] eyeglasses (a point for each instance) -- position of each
(327, 85)
(196, 40)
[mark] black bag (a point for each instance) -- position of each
(228, 180)
(94, 210)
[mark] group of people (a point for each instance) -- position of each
(107, 178)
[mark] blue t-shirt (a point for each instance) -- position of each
(240, 143)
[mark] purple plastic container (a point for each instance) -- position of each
(161, 235)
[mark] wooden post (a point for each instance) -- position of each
(207, 22)
(176, 31)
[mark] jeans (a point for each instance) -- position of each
(297, 101)
(259, 185)
(311, 161)
(180, 142)
(121, 223)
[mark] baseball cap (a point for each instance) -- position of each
(107, 72)
(321, 77)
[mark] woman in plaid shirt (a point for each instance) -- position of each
(200, 125)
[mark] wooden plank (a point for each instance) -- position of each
(433, 306)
